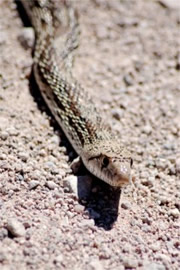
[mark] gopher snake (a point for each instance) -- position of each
(71, 106)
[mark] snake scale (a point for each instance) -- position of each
(101, 152)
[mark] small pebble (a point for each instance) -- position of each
(125, 205)
(178, 165)
(79, 208)
(147, 129)
(163, 257)
(3, 233)
(27, 38)
(95, 264)
(76, 164)
(71, 183)
(155, 266)
(171, 4)
(4, 135)
(51, 185)
(13, 131)
(49, 165)
(3, 37)
(87, 223)
(33, 184)
(3, 156)
(155, 246)
(117, 113)
(3, 258)
(148, 181)
(15, 227)
(42, 153)
(130, 262)
(174, 212)
(23, 156)
(128, 80)
(58, 259)
(19, 177)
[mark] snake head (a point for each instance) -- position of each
(108, 161)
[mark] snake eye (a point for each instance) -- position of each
(105, 162)
(131, 162)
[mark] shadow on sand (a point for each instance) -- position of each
(102, 203)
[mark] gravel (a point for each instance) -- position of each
(57, 216)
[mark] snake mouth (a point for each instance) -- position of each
(120, 182)
(123, 180)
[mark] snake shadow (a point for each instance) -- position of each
(102, 202)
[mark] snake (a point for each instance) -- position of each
(101, 152)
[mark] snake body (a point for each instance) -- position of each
(73, 109)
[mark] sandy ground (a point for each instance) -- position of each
(52, 219)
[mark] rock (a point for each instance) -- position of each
(130, 262)
(79, 208)
(168, 145)
(23, 156)
(19, 177)
(71, 184)
(117, 113)
(3, 233)
(155, 266)
(49, 165)
(3, 258)
(80, 186)
(178, 61)
(125, 205)
(56, 140)
(4, 135)
(42, 153)
(87, 223)
(15, 227)
(13, 131)
(33, 184)
(178, 165)
(58, 259)
(96, 264)
(51, 185)
(155, 246)
(164, 258)
(128, 79)
(3, 37)
(171, 4)
(27, 38)
(174, 212)
(147, 129)
(76, 164)
(148, 181)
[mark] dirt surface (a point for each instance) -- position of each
(49, 217)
